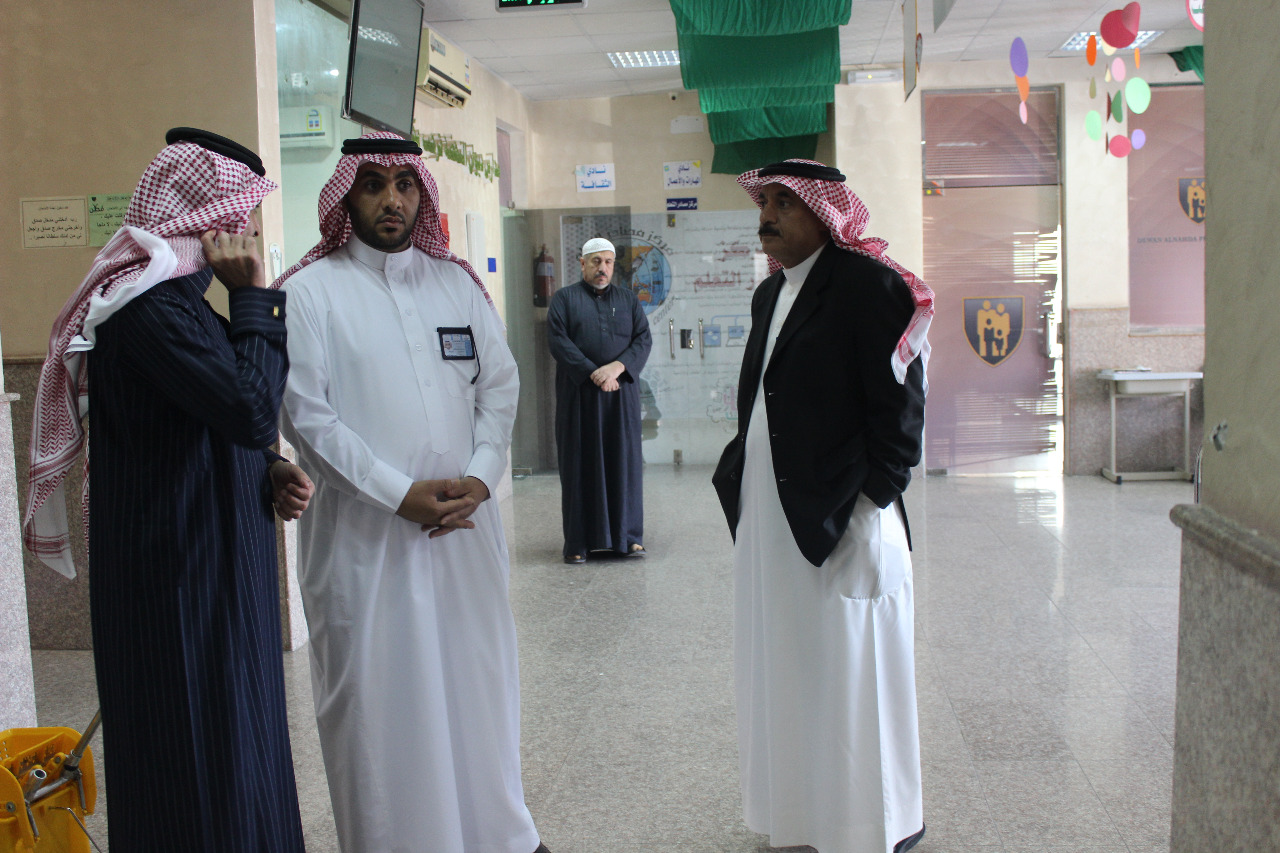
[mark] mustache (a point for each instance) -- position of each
(767, 230)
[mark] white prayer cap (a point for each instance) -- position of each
(597, 244)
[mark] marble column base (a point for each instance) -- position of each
(1226, 777)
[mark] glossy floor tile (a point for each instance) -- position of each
(1046, 630)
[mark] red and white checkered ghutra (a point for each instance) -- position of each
(846, 216)
(335, 222)
(186, 191)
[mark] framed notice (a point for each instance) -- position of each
(54, 222)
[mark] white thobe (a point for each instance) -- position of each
(413, 646)
(828, 739)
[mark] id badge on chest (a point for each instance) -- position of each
(457, 343)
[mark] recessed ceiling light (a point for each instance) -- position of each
(1080, 41)
(644, 58)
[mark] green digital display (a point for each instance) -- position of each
(507, 5)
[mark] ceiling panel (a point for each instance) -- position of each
(531, 48)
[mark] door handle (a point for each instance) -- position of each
(671, 336)
(701, 352)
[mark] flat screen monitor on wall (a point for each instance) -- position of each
(382, 64)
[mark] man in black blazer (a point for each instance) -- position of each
(831, 412)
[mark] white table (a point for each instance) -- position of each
(1145, 383)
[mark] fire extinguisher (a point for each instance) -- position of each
(544, 278)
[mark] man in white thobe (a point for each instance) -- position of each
(831, 408)
(401, 398)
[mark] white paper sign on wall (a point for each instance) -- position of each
(689, 124)
(595, 177)
(682, 174)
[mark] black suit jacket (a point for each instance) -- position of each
(840, 424)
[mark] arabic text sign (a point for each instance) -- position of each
(683, 173)
(682, 204)
(595, 177)
(53, 222)
(106, 215)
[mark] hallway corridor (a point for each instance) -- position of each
(1046, 629)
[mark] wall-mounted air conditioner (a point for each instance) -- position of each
(307, 127)
(444, 71)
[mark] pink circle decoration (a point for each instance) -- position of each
(1139, 138)
(1018, 57)
(1022, 111)
(1119, 146)
(1117, 69)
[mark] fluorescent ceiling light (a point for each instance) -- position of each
(644, 58)
(1080, 41)
(874, 75)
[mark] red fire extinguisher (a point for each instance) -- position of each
(544, 278)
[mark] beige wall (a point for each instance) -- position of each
(633, 133)
(877, 146)
(87, 97)
(89, 90)
(492, 101)
(1242, 276)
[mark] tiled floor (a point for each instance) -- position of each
(1047, 634)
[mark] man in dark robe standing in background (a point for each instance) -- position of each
(182, 546)
(599, 337)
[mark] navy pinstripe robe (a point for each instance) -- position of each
(182, 555)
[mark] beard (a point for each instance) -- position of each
(369, 235)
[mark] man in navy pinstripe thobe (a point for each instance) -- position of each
(182, 547)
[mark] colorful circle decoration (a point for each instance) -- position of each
(1018, 58)
(1120, 27)
(1117, 106)
(1093, 124)
(1137, 94)
(1132, 95)
(1019, 62)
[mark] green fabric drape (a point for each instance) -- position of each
(735, 158)
(1188, 59)
(764, 70)
(754, 97)
(800, 59)
(758, 17)
(764, 122)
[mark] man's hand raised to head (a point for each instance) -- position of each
(234, 258)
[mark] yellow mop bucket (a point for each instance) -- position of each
(47, 786)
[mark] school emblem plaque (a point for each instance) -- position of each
(1193, 197)
(993, 325)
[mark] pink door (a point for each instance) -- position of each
(991, 255)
